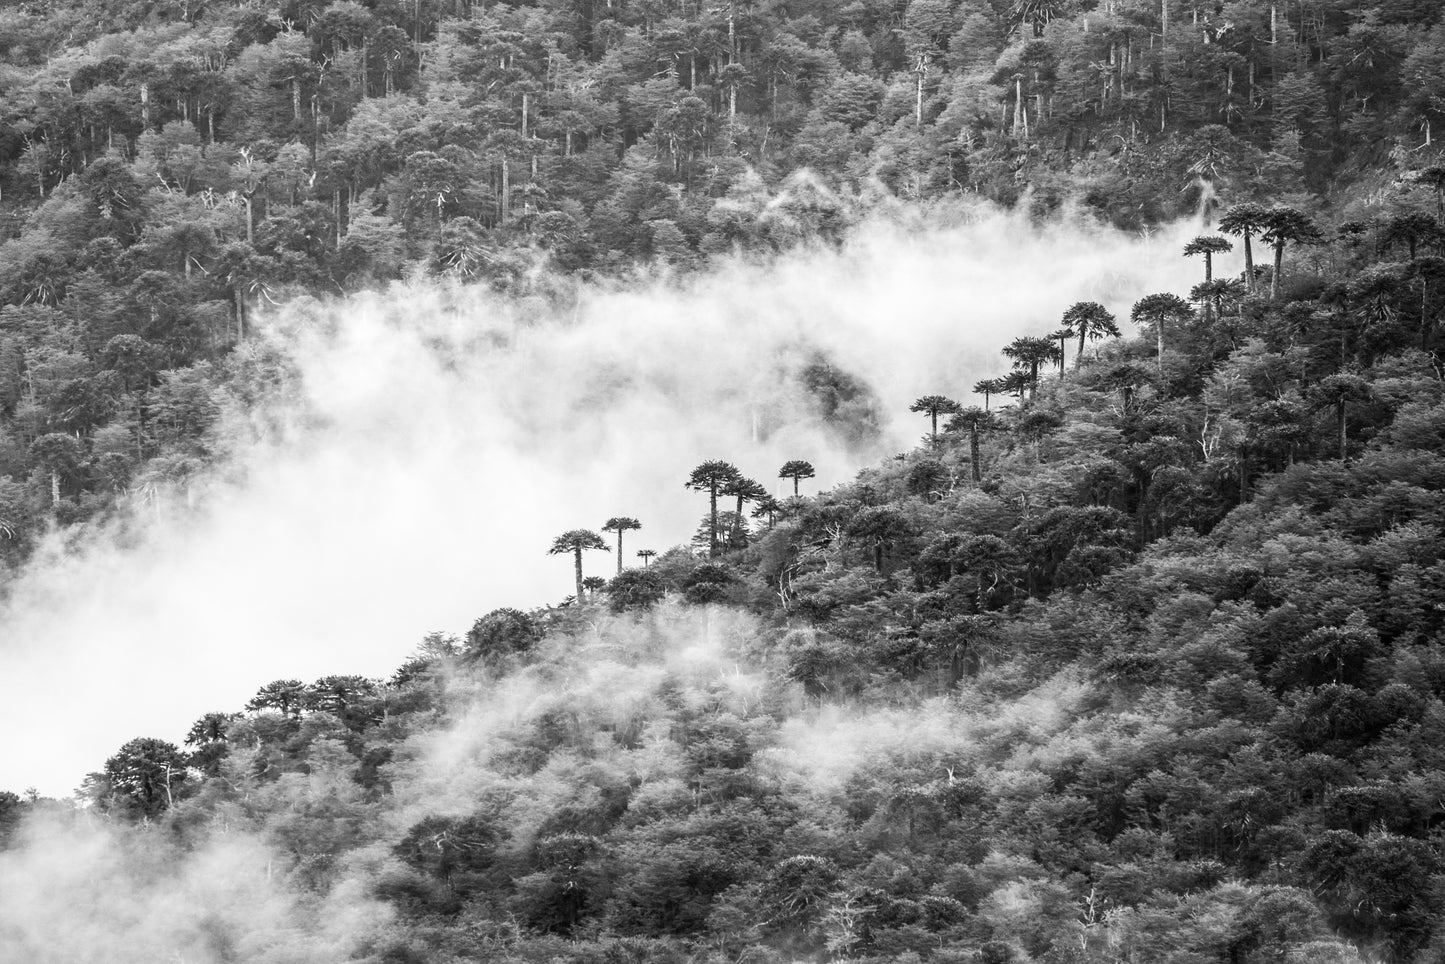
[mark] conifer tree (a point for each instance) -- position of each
(619, 525)
(576, 541)
(1029, 353)
(1158, 310)
(1091, 321)
(796, 469)
(1245, 221)
(710, 477)
(933, 406)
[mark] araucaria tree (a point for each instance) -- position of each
(575, 541)
(286, 695)
(1215, 294)
(767, 508)
(796, 469)
(744, 490)
(1208, 245)
(1029, 353)
(710, 477)
(1062, 335)
(933, 406)
(1338, 391)
(620, 524)
(988, 387)
(1245, 221)
(1286, 225)
(1090, 321)
(1015, 383)
(1158, 310)
(975, 421)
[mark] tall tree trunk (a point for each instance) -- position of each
(505, 208)
(1340, 424)
(1278, 264)
(1021, 123)
(712, 527)
(577, 568)
(619, 551)
(54, 488)
(1248, 264)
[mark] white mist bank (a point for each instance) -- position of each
(72, 893)
(454, 434)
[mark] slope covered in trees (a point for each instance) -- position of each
(1138, 662)
(168, 170)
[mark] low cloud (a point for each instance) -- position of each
(449, 434)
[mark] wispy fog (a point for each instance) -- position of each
(449, 434)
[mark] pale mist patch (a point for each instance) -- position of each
(444, 436)
(73, 890)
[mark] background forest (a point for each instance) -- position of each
(1136, 659)
(167, 169)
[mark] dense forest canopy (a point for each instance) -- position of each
(169, 170)
(1134, 656)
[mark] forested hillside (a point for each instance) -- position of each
(1137, 661)
(1134, 657)
(169, 169)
